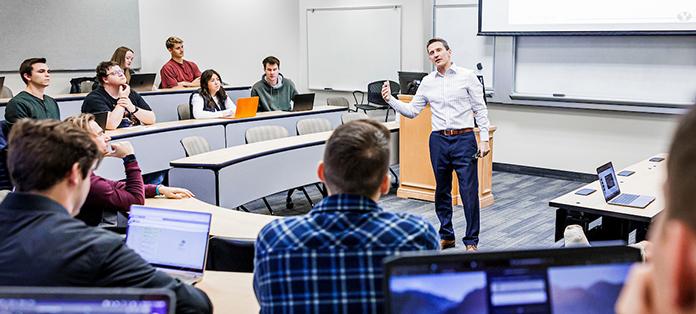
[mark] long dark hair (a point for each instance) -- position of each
(221, 95)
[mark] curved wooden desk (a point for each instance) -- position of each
(158, 144)
(226, 223)
(230, 292)
(163, 101)
(234, 176)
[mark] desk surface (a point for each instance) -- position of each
(183, 124)
(223, 157)
(226, 222)
(647, 180)
(230, 292)
(64, 97)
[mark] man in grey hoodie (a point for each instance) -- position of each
(275, 92)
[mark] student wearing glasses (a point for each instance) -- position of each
(125, 106)
(211, 100)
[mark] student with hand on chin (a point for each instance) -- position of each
(125, 106)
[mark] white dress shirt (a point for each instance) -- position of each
(455, 98)
(198, 112)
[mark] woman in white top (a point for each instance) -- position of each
(211, 100)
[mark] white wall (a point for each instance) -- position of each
(230, 36)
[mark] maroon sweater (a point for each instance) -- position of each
(107, 195)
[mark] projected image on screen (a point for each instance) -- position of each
(439, 293)
(586, 289)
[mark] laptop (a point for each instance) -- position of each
(143, 82)
(86, 300)
(173, 241)
(612, 193)
(569, 280)
(100, 119)
(303, 102)
(246, 107)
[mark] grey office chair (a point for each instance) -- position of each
(350, 116)
(265, 133)
(339, 102)
(374, 98)
(313, 125)
(6, 92)
(183, 111)
(194, 145)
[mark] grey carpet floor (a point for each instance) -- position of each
(520, 217)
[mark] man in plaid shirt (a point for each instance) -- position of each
(330, 260)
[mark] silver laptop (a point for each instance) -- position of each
(143, 82)
(612, 193)
(173, 241)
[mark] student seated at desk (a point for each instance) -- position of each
(43, 245)
(32, 102)
(124, 57)
(125, 106)
(107, 197)
(667, 283)
(211, 100)
(275, 91)
(177, 72)
(330, 260)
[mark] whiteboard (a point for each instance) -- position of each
(347, 48)
(70, 34)
(654, 69)
(458, 24)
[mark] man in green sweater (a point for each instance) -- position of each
(275, 92)
(31, 102)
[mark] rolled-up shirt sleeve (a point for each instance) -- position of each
(478, 105)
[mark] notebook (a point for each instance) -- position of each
(246, 107)
(612, 193)
(569, 280)
(143, 82)
(174, 241)
(86, 300)
(303, 102)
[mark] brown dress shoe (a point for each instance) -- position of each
(447, 244)
(471, 248)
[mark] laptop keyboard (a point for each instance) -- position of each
(625, 198)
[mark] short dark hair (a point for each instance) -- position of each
(103, 70)
(270, 60)
(356, 158)
(27, 66)
(42, 152)
(681, 172)
(437, 40)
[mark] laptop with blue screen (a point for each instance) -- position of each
(569, 280)
(612, 193)
(174, 241)
(86, 300)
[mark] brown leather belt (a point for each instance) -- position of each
(455, 131)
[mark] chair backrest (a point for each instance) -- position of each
(83, 85)
(264, 133)
(6, 92)
(194, 145)
(313, 125)
(374, 92)
(350, 116)
(183, 111)
(337, 101)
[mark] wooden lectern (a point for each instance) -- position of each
(416, 173)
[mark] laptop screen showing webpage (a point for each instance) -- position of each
(538, 283)
(608, 181)
(85, 300)
(167, 238)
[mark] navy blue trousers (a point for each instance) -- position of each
(455, 153)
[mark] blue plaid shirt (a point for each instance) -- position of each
(330, 261)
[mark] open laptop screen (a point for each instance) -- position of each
(586, 280)
(608, 181)
(166, 238)
(85, 300)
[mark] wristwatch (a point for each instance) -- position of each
(136, 110)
